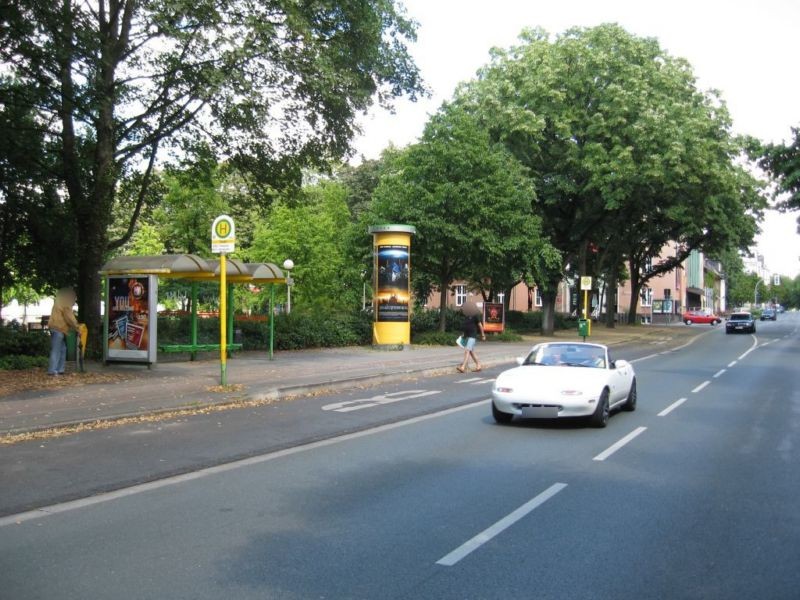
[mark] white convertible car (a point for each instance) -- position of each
(564, 379)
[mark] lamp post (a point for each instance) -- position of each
(755, 293)
(288, 264)
(364, 290)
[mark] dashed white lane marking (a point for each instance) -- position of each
(470, 380)
(671, 407)
(701, 387)
(675, 349)
(480, 381)
(732, 363)
(55, 509)
(719, 373)
(616, 446)
(487, 534)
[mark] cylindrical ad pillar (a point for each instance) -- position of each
(391, 278)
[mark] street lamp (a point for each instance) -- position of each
(288, 264)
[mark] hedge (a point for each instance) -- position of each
(23, 343)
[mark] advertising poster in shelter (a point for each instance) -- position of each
(493, 317)
(131, 311)
(393, 293)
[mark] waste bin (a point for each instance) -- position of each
(583, 327)
(72, 345)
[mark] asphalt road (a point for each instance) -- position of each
(694, 495)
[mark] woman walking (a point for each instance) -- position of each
(472, 325)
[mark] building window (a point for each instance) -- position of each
(648, 264)
(647, 297)
(667, 294)
(461, 295)
(501, 298)
(538, 298)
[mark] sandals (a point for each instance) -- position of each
(478, 369)
(460, 369)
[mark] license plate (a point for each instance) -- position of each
(539, 412)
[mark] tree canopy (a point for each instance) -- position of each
(111, 86)
(471, 203)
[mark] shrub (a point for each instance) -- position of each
(435, 338)
(423, 320)
(531, 322)
(509, 335)
(16, 362)
(25, 343)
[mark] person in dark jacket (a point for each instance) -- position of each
(471, 327)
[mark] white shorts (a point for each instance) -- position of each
(470, 344)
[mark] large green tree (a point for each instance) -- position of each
(471, 203)
(272, 85)
(311, 230)
(620, 143)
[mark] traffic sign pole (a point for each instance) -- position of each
(223, 297)
(223, 241)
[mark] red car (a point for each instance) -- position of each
(701, 316)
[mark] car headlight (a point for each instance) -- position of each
(503, 390)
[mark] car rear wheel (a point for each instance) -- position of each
(500, 416)
(688, 321)
(630, 404)
(602, 412)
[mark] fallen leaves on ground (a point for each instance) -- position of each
(12, 382)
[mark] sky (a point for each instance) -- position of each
(745, 49)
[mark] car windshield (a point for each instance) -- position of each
(567, 355)
(740, 317)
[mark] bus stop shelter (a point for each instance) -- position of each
(195, 269)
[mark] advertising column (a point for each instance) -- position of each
(392, 284)
(131, 312)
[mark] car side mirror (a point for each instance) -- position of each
(520, 360)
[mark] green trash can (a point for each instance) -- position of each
(583, 327)
(72, 345)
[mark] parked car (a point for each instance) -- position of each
(769, 314)
(740, 321)
(701, 316)
(563, 379)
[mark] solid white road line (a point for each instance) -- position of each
(753, 347)
(54, 509)
(732, 363)
(480, 381)
(719, 373)
(614, 447)
(671, 407)
(701, 387)
(503, 524)
(470, 380)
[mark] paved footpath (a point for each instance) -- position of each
(176, 385)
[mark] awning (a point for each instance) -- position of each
(191, 266)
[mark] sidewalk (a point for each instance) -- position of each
(179, 385)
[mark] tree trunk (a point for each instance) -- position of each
(636, 288)
(443, 305)
(611, 300)
(548, 310)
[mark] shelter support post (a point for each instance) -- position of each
(194, 319)
(231, 310)
(271, 319)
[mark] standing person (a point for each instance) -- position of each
(62, 320)
(472, 325)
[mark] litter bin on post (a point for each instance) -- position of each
(583, 328)
(72, 345)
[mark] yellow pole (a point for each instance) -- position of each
(586, 311)
(223, 290)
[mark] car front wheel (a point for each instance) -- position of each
(602, 412)
(630, 404)
(500, 416)
(688, 321)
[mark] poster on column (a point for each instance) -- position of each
(493, 317)
(393, 293)
(131, 318)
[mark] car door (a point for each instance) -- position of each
(619, 380)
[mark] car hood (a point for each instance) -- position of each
(546, 379)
